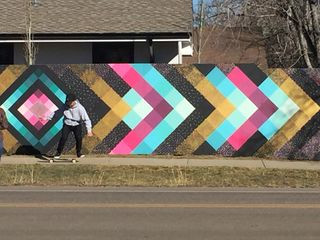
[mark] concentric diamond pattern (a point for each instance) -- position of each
(27, 100)
(37, 107)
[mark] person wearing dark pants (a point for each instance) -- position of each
(77, 131)
(3, 125)
(74, 115)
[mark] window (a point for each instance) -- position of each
(6, 53)
(122, 52)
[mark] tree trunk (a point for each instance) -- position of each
(316, 28)
(301, 36)
(200, 32)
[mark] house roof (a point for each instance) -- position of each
(98, 16)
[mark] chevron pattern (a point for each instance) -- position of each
(233, 110)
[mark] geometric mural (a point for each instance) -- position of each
(230, 110)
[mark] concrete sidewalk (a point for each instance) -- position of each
(173, 161)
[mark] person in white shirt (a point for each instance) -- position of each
(74, 115)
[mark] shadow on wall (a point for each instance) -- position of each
(27, 150)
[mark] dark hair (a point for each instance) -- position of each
(70, 98)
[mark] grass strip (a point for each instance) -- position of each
(93, 175)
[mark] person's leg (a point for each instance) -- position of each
(1, 148)
(64, 136)
(77, 130)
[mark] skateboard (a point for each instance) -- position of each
(61, 160)
(72, 160)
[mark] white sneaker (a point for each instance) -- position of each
(81, 156)
(57, 156)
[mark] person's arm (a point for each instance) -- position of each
(85, 118)
(5, 124)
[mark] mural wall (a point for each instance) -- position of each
(230, 110)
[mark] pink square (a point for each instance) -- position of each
(121, 148)
(153, 98)
(22, 109)
(33, 120)
(28, 104)
(242, 135)
(33, 99)
(258, 118)
(143, 88)
(132, 139)
(143, 129)
(132, 77)
(258, 98)
(242, 81)
(120, 69)
(28, 115)
(44, 99)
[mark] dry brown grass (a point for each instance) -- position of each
(92, 175)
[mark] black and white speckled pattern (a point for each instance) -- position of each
(295, 148)
(226, 150)
(112, 79)
(113, 138)
(308, 85)
(95, 107)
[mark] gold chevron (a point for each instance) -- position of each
(119, 108)
(223, 108)
(308, 108)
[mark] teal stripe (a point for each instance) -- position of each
(53, 87)
(22, 129)
(157, 81)
(52, 132)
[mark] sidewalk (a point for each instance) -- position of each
(173, 161)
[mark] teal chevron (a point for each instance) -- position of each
(244, 108)
(286, 108)
(181, 109)
(157, 108)
(139, 108)
(35, 75)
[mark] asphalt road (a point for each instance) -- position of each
(149, 213)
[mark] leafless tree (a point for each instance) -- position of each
(210, 17)
(291, 29)
(30, 48)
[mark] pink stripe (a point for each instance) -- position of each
(136, 136)
(120, 69)
(242, 135)
(142, 87)
(242, 81)
(133, 78)
(121, 148)
(143, 129)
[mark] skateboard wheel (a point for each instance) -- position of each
(51, 161)
(74, 161)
